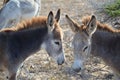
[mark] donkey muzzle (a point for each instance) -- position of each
(77, 65)
(60, 59)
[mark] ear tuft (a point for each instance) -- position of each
(50, 13)
(66, 16)
(93, 17)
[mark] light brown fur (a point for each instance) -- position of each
(28, 24)
(32, 24)
(100, 26)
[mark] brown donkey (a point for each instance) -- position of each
(18, 43)
(100, 40)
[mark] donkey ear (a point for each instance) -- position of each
(50, 19)
(57, 17)
(73, 25)
(92, 25)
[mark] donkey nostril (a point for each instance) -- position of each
(60, 62)
(77, 69)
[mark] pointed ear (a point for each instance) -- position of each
(92, 25)
(73, 25)
(50, 19)
(57, 17)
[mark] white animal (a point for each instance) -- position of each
(14, 11)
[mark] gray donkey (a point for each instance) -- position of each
(19, 42)
(100, 40)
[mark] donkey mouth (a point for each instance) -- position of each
(60, 59)
(60, 62)
(77, 65)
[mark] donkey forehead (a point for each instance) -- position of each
(79, 42)
(82, 34)
(57, 32)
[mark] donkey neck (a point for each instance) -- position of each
(24, 43)
(104, 43)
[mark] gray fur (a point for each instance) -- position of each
(101, 43)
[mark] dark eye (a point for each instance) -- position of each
(85, 48)
(57, 43)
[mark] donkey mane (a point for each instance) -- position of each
(100, 26)
(27, 24)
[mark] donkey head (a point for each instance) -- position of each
(82, 40)
(53, 41)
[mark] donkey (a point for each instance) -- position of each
(100, 40)
(14, 11)
(19, 42)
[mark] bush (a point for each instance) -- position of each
(113, 9)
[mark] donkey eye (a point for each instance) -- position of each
(85, 48)
(57, 43)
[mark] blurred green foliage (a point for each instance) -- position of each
(113, 9)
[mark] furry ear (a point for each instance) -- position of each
(92, 25)
(57, 17)
(50, 21)
(73, 25)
